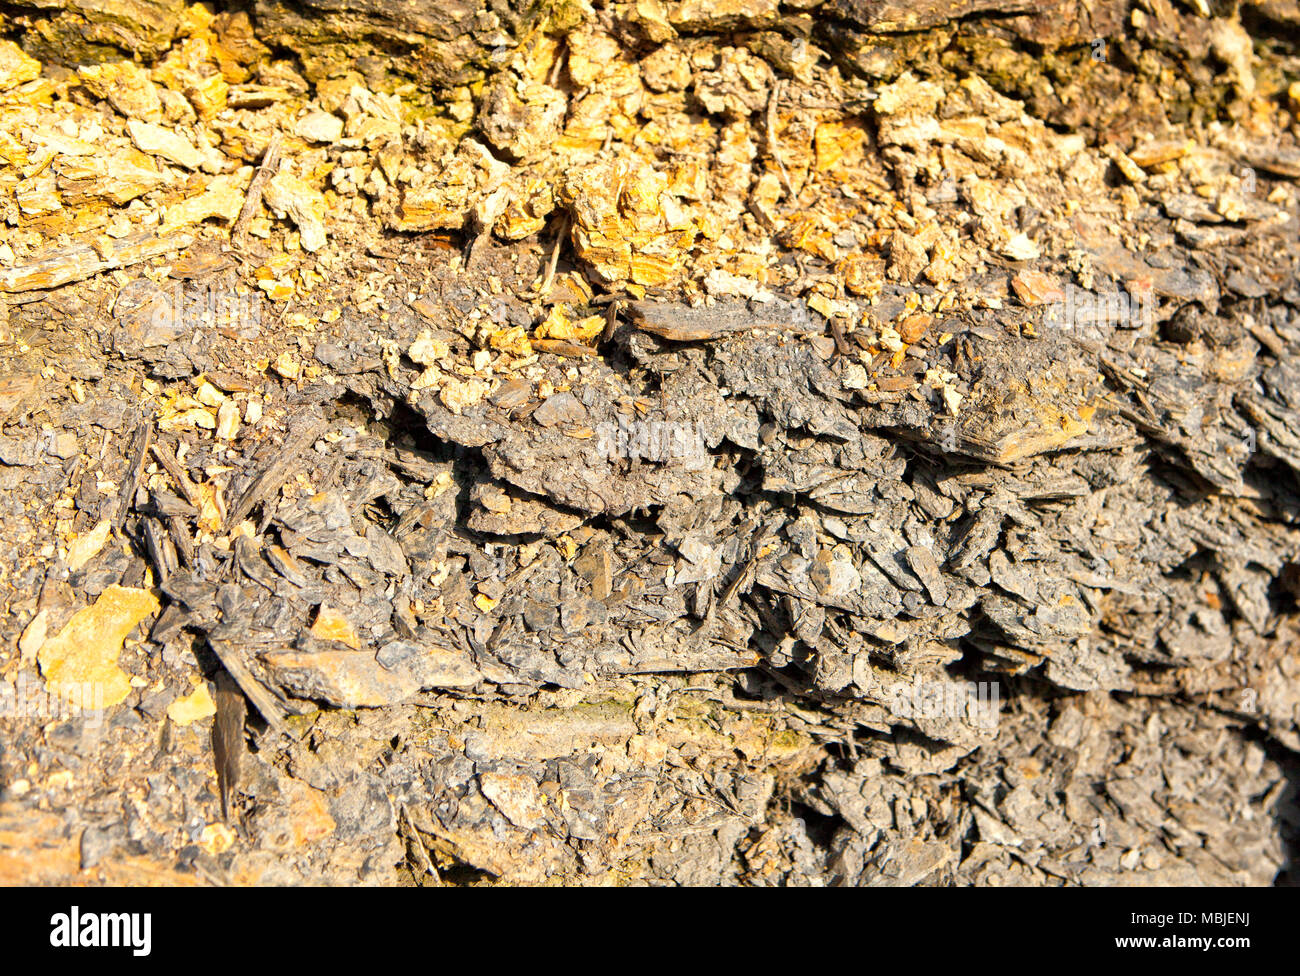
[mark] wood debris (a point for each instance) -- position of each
(749, 443)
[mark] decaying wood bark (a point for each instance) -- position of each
(756, 442)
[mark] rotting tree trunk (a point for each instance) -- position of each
(541, 566)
